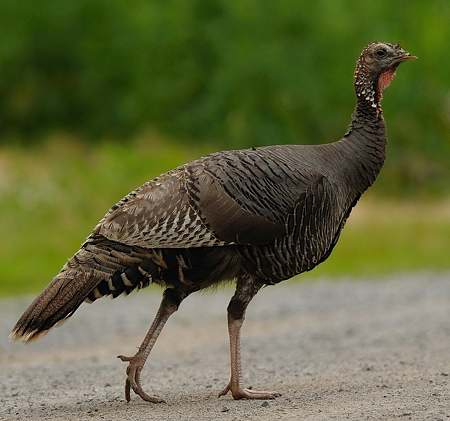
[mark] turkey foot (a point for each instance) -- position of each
(239, 393)
(245, 291)
(169, 305)
(133, 381)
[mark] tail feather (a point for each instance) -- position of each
(57, 302)
(99, 268)
(80, 275)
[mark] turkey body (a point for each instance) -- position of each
(257, 216)
(270, 213)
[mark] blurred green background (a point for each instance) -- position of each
(98, 96)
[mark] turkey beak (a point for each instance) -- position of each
(403, 56)
(406, 57)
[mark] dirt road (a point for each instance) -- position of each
(369, 350)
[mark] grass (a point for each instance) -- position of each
(52, 196)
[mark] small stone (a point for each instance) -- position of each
(224, 409)
(265, 404)
(444, 374)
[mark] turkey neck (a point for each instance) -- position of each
(364, 143)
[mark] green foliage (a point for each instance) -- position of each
(241, 72)
(52, 196)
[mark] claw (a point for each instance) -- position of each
(133, 380)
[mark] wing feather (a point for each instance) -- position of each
(157, 215)
(237, 197)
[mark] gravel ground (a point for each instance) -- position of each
(368, 350)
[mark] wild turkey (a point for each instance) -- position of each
(258, 216)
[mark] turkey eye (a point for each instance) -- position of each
(381, 52)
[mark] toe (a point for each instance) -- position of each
(127, 390)
(133, 380)
(270, 393)
(124, 358)
(148, 398)
(255, 394)
(225, 390)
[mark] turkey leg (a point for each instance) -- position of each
(245, 291)
(169, 305)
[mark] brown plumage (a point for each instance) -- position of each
(258, 216)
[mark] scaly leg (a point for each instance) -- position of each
(169, 304)
(246, 289)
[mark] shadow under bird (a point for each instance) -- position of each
(257, 216)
